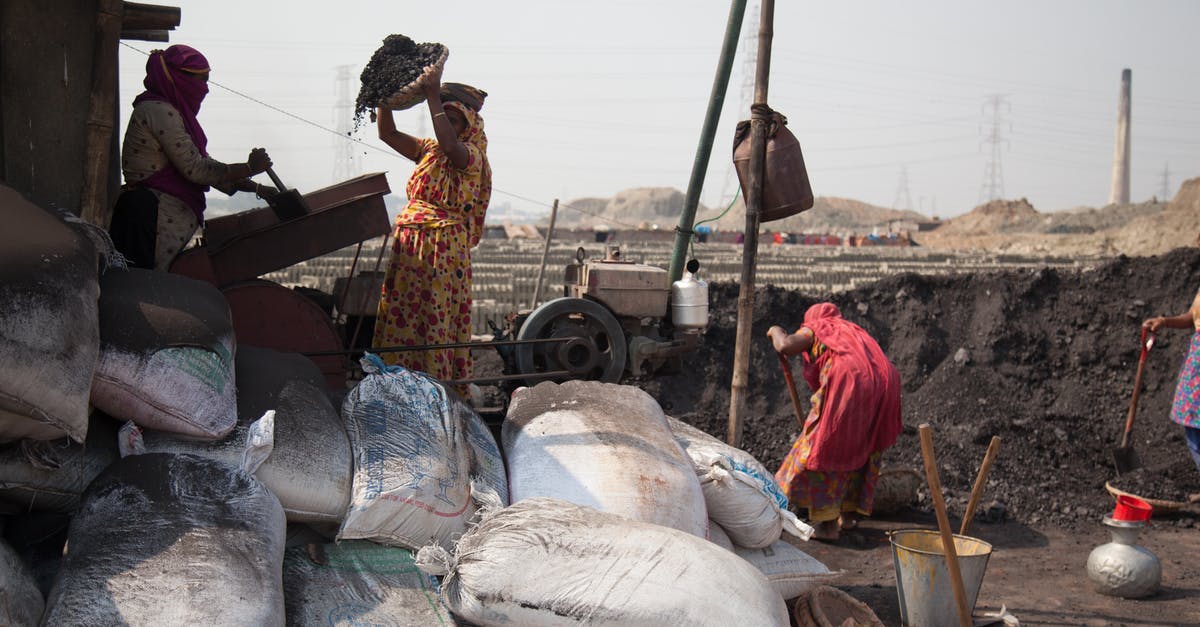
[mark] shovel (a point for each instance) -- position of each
(791, 386)
(1124, 456)
(288, 203)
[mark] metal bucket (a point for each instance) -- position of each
(923, 579)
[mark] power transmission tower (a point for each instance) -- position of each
(902, 190)
(345, 161)
(993, 173)
(749, 54)
(1164, 192)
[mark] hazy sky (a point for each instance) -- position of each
(891, 101)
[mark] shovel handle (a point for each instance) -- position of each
(1147, 344)
(791, 386)
(939, 506)
(275, 179)
(988, 458)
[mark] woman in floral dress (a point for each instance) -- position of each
(426, 297)
(1185, 410)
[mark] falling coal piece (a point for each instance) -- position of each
(394, 66)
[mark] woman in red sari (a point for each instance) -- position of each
(834, 464)
(426, 295)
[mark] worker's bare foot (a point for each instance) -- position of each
(826, 530)
(849, 520)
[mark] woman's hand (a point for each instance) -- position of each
(258, 161)
(266, 192)
(431, 81)
(1153, 324)
(778, 337)
(790, 343)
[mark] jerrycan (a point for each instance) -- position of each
(786, 190)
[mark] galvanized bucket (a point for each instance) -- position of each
(923, 579)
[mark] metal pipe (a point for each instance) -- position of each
(758, 157)
(716, 99)
(537, 288)
(549, 374)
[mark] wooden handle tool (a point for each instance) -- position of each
(939, 506)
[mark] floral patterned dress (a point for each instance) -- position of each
(426, 297)
(1185, 409)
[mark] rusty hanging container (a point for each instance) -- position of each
(786, 190)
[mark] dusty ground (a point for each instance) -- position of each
(1037, 573)
(1044, 359)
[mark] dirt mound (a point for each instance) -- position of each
(642, 206)
(1176, 225)
(828, 215)
(997, 216)
(1045, 359)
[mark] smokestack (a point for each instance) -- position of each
(1120, 169)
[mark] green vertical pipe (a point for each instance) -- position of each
(716, 100)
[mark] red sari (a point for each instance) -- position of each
(833, 466)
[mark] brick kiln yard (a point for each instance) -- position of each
(1037, 344)
(1045, 359)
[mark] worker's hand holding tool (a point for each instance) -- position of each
(258, 161)
(266, 192)
(778, 335)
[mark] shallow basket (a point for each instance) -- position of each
(411, 95)
(824, 605)
(1157, 506)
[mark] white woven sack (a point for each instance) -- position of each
(739, 493)
(49, 476)
(412, 484)
(309, 462)
(603, 446)
(717, 536)
(22, 601)
(173, 372)
(49, 332)
(489, 480)
(549, 562)
(792, 572)
(357, 582)
(163, 539)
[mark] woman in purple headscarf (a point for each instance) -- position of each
(166, 164)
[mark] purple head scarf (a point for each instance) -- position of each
(172, 76)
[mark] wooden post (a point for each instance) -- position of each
(758, 157)
(93, 199)
(537, 288)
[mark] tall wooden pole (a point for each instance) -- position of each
(758, 157)
(93, 201)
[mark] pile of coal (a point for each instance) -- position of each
(1176, 481)
(398, 62)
